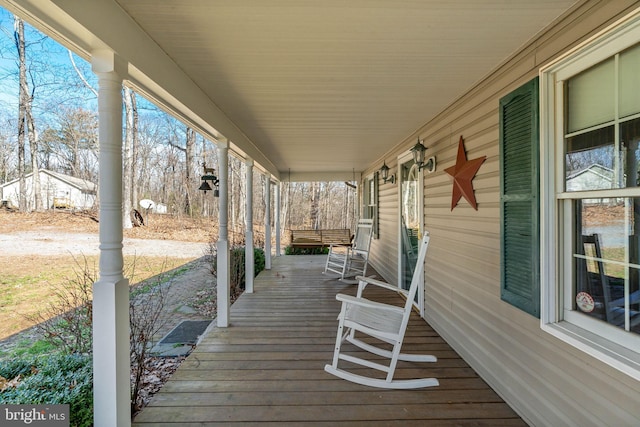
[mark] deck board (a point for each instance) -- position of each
(267, 368)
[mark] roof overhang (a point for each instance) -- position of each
(306, 89)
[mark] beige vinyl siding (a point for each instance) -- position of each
(386, 246)
(548, 382)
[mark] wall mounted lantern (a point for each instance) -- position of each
(418, 157)
(209, 175)
(384, 172)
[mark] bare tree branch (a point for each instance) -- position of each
(80, 75)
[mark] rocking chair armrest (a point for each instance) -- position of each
(341, 245)
(364, 281)
(634, 298)
(340, 249)
(363, 302)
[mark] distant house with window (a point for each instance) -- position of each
(57, 191)
(594, 177)
(590, 178)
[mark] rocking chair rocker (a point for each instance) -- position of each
(386, 323)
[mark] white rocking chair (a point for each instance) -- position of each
(349, 261)
(386, 323)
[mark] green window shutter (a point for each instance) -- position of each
(519, 198)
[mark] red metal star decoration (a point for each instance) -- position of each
(463, 173)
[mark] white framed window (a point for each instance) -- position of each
(370, 201)
(590, 196)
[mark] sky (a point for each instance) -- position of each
(50, 72)
(56, 81)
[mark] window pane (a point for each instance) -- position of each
(606, 260)
(591, 96)
(630, 144)
(630, 81)
(590, 160)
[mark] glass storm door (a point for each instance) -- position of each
(410, 222)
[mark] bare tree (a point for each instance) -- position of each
(72, 146)
(33, 148)
(134, 152)
(149, 182)
(127, 179)
(6, 151)
(190, 142)
(26, 122)
(237, 197)
(314, 200)
(20, 45)
(182, 186)
(81, 75)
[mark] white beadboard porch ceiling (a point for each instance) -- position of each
(323, 86)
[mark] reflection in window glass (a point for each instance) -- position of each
(409, 202)
(607, 261)
(630, 156)
(590, 160)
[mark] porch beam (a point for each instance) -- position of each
(335, 176)
(111, 362)
(223, 286)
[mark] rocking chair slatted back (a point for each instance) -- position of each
(351, 260)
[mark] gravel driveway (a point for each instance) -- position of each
(59, 243)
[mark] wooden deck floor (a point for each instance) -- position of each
(267, 368)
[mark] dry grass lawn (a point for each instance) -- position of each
(27, 282)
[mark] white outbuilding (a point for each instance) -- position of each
(58, 191)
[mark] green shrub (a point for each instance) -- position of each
(237, 265)
(258, 260)
(290, 250)
(52, 379)
(237, 262)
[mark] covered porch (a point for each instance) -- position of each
(268, 367)
(339, 91)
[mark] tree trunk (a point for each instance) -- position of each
(284, 206)
(189, 147)
(315, 205)
(33, 147)
(127, 180)
(26, 99)
(134, 152)
(18, 35)
(22, 196)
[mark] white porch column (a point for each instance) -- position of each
(277, 214)
(111, 365)
(249, 267)
(223, 287)
(267, 223)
